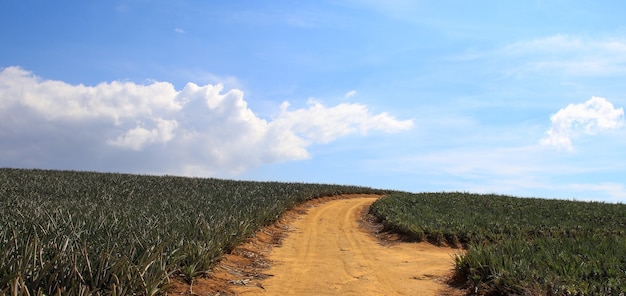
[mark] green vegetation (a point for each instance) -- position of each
(78, 233)
(519, 246)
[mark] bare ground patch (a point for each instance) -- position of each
(251, 268)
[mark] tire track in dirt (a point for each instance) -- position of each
(327, 252)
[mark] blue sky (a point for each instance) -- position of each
(512, 97)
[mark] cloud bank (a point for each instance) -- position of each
(154, 128)
(589, 118)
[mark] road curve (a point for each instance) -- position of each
(328, 253)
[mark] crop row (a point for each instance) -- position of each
(80, 233)
(518, 245)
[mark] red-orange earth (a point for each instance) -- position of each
(325, 247)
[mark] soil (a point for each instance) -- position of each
(327, 247)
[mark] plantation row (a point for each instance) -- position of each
(519, 246)
(78, 233)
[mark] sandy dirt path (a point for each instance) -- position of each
(329, 253)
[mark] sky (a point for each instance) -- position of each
(523, 98)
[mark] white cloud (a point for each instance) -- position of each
(199, 130)
(139, 136)
(350, 94)
(323, 124)
(179, 30)
(595, 115)
(572, 55)
(566, 54)
(56, 100)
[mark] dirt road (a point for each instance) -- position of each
(328, 253)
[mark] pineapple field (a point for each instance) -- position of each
(87, 233)
(83, 233)
(518, 246)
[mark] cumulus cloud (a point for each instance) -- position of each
(322, 124)
(350, 94)
(595, 115)
(154, 128)
(136, 138)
